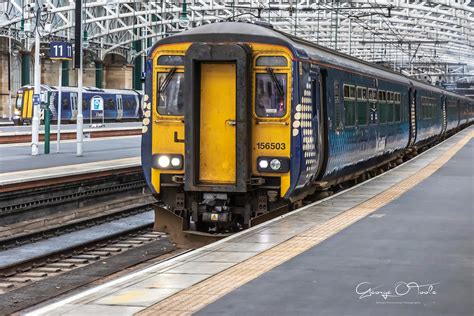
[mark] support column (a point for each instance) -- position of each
(65, 73)
(25, 68)
(99, 74)
(138, 65)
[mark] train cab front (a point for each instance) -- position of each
(220, 140)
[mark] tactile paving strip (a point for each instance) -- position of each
(196, 297)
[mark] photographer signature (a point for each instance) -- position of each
(365, 289)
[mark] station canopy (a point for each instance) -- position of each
(430, 40)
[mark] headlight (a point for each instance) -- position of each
(263, 164)
(168, 161)
(175, 162)
(164, 161)
(273, 164)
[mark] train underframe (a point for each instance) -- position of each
(221, 212)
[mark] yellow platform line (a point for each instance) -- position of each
(196, 297)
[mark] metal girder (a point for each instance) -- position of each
(414, 35)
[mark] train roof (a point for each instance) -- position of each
(249, 32)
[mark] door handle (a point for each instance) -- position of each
(231, 122)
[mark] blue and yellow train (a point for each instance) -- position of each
(240, 120)
(118, 105)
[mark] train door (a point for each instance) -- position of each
(458, 106)
(444, 116)
(412, 118)
(73, 97)
(318, 117)
(119, 107)
(218, 123)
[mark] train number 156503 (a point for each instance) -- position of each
(277, 146)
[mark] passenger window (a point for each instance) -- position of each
(349, 105)
(361, 94)
(270, 95)
(362, 106)
(170, 93)
(389, 113)
(372, 95)
(382, 107)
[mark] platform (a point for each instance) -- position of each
(22, 134)
(398, 244)
(17, 165)
(26, 129)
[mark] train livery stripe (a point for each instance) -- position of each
(196, 297)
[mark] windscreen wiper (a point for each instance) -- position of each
(167, 80)
(277, 83)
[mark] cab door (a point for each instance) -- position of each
(27, 109)
(217, 161)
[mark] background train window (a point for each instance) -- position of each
(171, 60)
(65, 102)
(86, 104)
(110, 104)
(272, 61)
(170, 98)
(270, 96)
(19, 101)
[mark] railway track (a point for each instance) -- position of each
(55, 274)
(53, 263)
(45, 208)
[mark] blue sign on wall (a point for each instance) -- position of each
(60, 50)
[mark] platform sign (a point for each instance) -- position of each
(97, 108)
(36, 99)
(97, 103)
(60, 50)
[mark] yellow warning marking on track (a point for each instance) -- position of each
(196, 297)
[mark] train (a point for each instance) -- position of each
(241, 120)
(117, 104)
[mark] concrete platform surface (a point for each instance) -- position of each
(17, 157)
(316, 260)
(414, 256)
(7, 129)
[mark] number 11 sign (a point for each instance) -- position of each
(60, 50)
